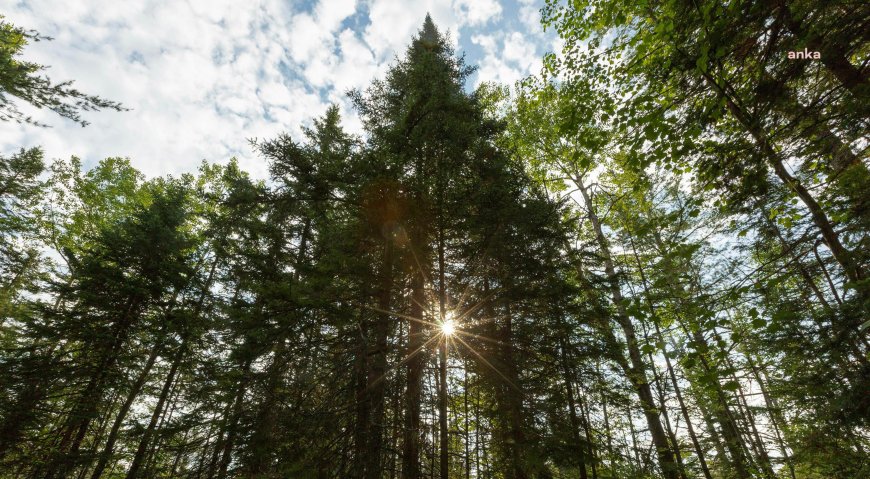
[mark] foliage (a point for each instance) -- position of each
(653, 253)
(21, 79)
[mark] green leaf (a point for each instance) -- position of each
(701, 63)
(689, 361)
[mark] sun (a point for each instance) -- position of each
(448, 327)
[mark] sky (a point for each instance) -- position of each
(202, 77)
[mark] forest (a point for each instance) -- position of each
(650, 260)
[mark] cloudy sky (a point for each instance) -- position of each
(203, 76)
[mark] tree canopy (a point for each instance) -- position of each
(648, 261)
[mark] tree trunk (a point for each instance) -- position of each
(664, 411)
(636, 370)
(377, 359)
(144, 442)
(795, 259)
(465, 417)
(674, 383)
(414, 388)
(587, 429)
(572, 410)
(360, 399)
(775, 416)
(444, 459)
(151, 456)
(444, 444)
(109, 448)
(833, 57)
(513, 399)
(763, 457)
(85, 408)
(722, 412)
(608, 432)
(261, 442)
(841, 254)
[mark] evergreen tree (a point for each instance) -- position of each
(21, 79)
(646, 263)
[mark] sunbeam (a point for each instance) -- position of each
(404, 316)
(487, 363)
(403, 361)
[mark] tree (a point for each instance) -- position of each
(21, 79)
(594, 276)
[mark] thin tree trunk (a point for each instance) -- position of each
(674, 383)
(219, 440)
(607, 430)
(477, 443)
(109, 448)
(84, 409)
(799, 266)
(360, 398)
(443, 432)
(513, 399)
(178, 455)
(465, 417)
(637, 464)
(413, 394)
(204, 452)
(636, 370)
(98, 435)
(587, 429)
(716, 438)
(232, 428)
(721, 410)
(833, 57)
(763, 457)
(572, 410)
(664, 411)
(723, 414)
(144, 442)
(261, 442)
(821, 220)
(442, 363)
(151, 455)
(775, 416)
(840, 253)
(396, 425)
(377, 360)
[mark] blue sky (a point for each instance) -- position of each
(203, 76)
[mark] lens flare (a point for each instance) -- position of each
(448, 327)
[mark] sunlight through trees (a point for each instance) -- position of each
(648, 261)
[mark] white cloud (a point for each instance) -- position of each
(518, 50)
(332, 12)
(508, 57)
(477, 12)
(530, 16)
(394, 22)
(203, 76)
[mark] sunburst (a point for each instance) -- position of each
(448, 325)
(448, 329)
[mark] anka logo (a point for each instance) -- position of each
(804, 55)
